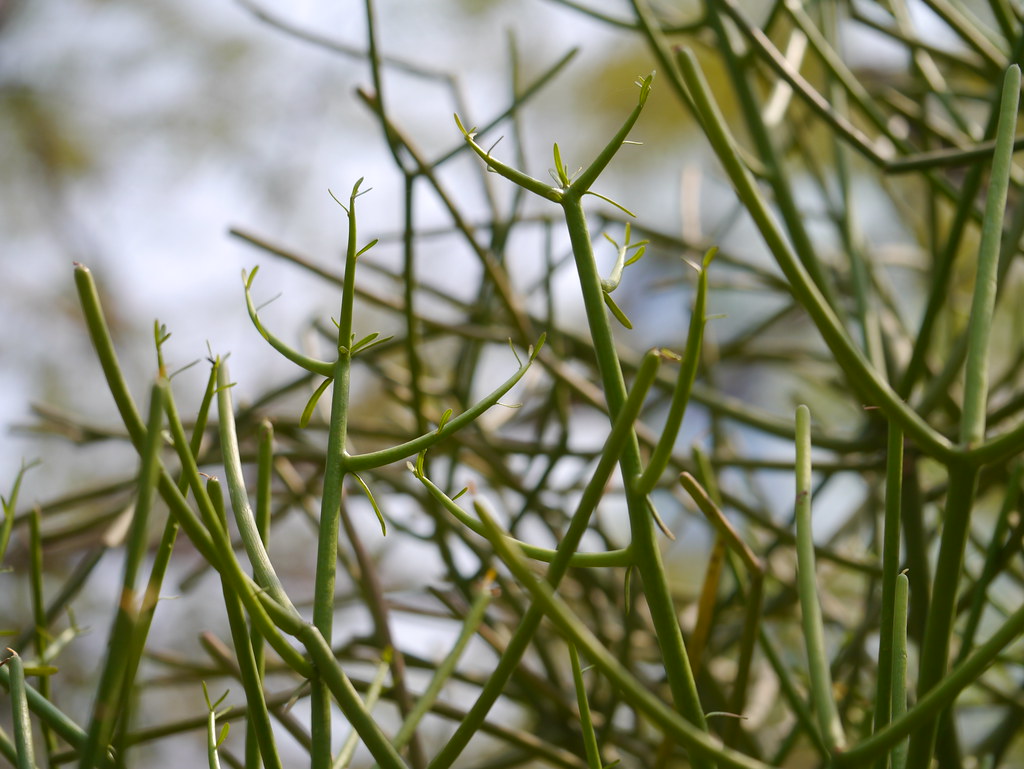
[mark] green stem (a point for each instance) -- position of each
(963, 481)
(257, 715)
(245, 520)
(621, 431)
(807, 586)
(19, 712)
(643, 535)
(265, 454)
(850, 358)
(972, 424)
(590, 745)
(899, 665)
(928, 707)
(335, 470)
(890, 570)
(113, 685)
(684, 384)
(444, 671)
(705, 749)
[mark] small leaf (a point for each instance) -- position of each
(560, 168)
(470, 134)
(444, 419)
(368, 246)
(639, 254)
(364, 341)
(709, 256)
(343, 207)
(359, 347)
(606, 199)
(307, 412)
(620, 316)
(645, 87)
(724, 714)
(535, 349)
(513, 348)
(186, 367)
(661, 523)
(490, 150)
(373, 504)
(271, 300)
(252, 276)
(356, 191)
(160, 333)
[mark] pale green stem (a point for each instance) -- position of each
(858, 369)
(899, 665)
(972, 423)
(890, 569)
(245, 520)
(807, 587)
(19, 712)
(590, 745)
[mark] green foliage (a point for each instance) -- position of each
(800, 648)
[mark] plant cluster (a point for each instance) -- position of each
(554, 551)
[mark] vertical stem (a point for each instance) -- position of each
(622, 428)
(265, 460)
(41, 636)
(330, 503)
(890, 569)
(19, 712)
(593, 750)
(963, 481)
(972, 424)
(899, 665)
(642, 528)
(963, 477)
(814, 631)
(257, 714)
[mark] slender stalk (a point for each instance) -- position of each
(443, 672)
(622, 430)
(963, 477)
(245, 520)
(684, 383)
(263, 503)
(888, 624)
(849, 357)
(40, 640)
(257, 715)
(807, 586)
(643, 536)
(590, 746)
(899, 665)
(697, 740)
(939, 697)
(972, 424)
(114, 685)
(23, 745)
(963, 481)
(334, 477)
